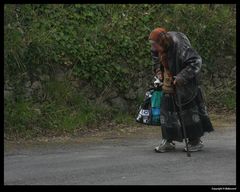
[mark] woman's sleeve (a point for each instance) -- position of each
(192, 63)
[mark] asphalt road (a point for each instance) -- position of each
(124, 161)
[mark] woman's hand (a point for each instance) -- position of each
(178, 81)
(175, 82)
(159, 75)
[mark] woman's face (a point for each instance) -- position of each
(156, 46)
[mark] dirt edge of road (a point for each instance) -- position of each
(220, 122)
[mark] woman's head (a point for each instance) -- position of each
(160, 39)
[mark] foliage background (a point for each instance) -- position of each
(103, 50)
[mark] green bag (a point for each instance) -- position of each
(156, 99)
(155, 107)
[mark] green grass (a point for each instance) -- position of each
(26, 119)
(229, 100)
(123, 118)
(19, 117)
(65, 111)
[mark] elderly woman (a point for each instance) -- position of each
(178, 65)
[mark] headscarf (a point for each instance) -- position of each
(158, 35)
(155, 34)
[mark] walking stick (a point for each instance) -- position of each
(182, 122)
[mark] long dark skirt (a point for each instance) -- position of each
(194, 115)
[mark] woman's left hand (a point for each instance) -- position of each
(178, 81)
(175, 82)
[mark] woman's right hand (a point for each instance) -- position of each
(159, 75)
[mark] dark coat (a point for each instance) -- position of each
(184, 62)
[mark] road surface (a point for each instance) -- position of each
(124, 161)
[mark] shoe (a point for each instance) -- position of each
(193, 148)
(165, 146)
